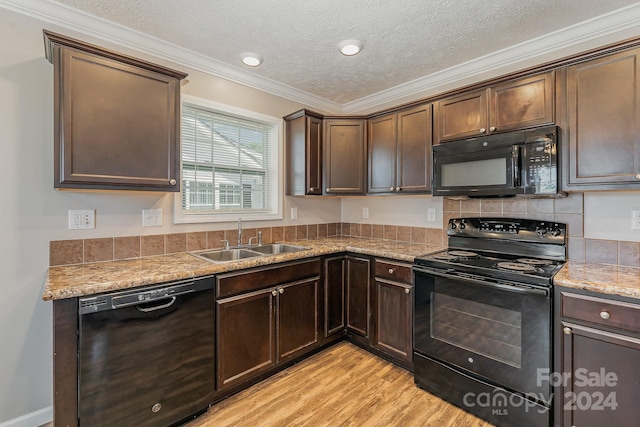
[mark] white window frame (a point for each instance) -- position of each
(276, 160)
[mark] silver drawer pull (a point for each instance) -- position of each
(482, 130)
(567, 330)
(407, 290)
(281, 290)
(391, 271)
(605, 315)
(274, 292)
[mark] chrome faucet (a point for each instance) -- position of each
(239, 231)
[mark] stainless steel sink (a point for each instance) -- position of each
(226, 255)
(278, 248)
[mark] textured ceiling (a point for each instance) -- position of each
(403, 39)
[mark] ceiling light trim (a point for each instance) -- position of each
(604, 29)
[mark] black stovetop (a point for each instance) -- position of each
(521, 250)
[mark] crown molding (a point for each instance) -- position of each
(608, 28)
(614, 26)
(90, 25)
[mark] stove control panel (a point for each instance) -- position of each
(499, 227)
(512, 229)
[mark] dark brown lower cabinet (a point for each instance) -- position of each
(246, 337)
(297, 317)
(598, 377)
(357, 294)
(334, 280)
(264, 317)
(393, 320)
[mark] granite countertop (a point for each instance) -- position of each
(605, 279)
(86, 279)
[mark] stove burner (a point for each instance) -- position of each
(533, 261)
(444, 257)
(515, 266)
(463, 254)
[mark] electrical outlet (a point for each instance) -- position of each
(82, 219)
(365, 213)
(635, 219)
(431, 215)
(294, 213)
(151, 217)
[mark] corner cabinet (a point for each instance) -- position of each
(400, 152)
(345, 156)
(599, 339)
(117, 119)
(602, 151)
(514, 104)
(303, 153)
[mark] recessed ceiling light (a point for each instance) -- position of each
(251, 59)
(350, 47)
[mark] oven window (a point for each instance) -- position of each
(484, 329)
(474, 173)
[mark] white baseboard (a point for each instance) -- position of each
(34, 419)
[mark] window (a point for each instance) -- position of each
(230, 164)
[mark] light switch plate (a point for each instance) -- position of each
(431, 215)
(365, 213)
(294, 213)
(635, 218)
(151, 217)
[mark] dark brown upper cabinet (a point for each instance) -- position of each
(515, 104)
(303, 153)
(345, 156)
(400, 151)
(117, 119)
(603, 124)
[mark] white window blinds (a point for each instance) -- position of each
(225, 163)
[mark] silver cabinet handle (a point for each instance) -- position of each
(567, 330)
(391, 271)
(492, 129)
(638, 176)
(604, 314)
(311, 189)
(397, 188)
(281, 290)
(407, 290)
(482, 130)
(391, 188)
(274, 293)
(172, 182)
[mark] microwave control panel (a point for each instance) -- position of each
(539, 163)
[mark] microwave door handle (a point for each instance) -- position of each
(515, 166)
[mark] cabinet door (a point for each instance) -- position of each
(344, 156)
(358, 273)
(414, 150)
(523, 103)
(334, 278)
(117, 125)
(393, 319)
(462, 116)
(304, 155)
(603, 385)
(246, 337)
(297, 319)
(604, 122)
(382, 154)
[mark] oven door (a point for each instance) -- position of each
(489, 172)
(498, 332)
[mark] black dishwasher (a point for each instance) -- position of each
(146, 356)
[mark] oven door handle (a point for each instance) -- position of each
(450, 274)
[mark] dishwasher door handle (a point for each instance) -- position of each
(157, 307)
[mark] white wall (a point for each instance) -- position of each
(393, 210)
(32, 213)
(607, 215)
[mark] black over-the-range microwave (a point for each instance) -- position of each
(502, 165)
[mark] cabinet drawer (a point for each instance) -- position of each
(235, 283)
(602, 311)
(392, 271)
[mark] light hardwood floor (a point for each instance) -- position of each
(340, 386)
